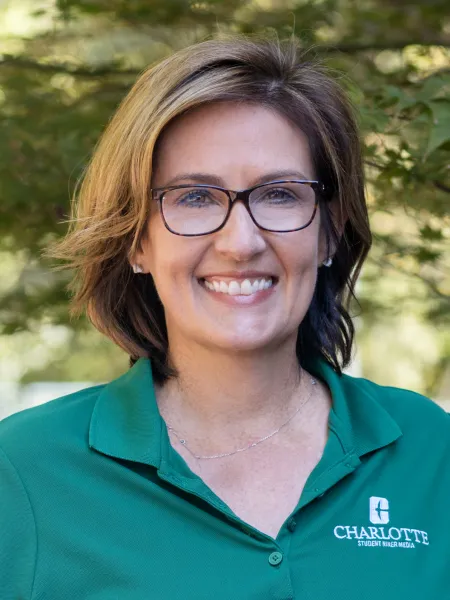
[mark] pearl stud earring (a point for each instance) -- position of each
(328, 262)
(137, 268)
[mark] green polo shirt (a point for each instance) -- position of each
(96, 504)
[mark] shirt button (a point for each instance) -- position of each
(291, 524)
(275, 558)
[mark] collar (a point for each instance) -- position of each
(126, 422)
(357, 416)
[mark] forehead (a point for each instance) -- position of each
(234, 141)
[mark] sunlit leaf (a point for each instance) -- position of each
(440, 128)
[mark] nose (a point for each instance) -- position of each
(240, 239)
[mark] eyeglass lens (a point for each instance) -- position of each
(278, 207)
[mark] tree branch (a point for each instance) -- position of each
(24, 63)
(437, 184)
(375, 165)
(442, 186)
(345, 48)
(353, 48)
(431, 285)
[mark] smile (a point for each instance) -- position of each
(247, 287)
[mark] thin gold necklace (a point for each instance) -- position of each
(183, 440)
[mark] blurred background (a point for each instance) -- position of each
(66, 64)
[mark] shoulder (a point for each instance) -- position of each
(406, 407)
(36, 427)
(36, 446)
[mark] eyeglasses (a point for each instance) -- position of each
(278, 206)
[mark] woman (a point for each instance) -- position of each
(219, 232)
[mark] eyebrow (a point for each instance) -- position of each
(216, 180)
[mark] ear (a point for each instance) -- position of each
(140, 251)
(338, 218)
(137, 262)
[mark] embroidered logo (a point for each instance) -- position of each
(379, 510)
(378, 535)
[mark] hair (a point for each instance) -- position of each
(111, 203)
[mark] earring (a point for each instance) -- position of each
(328, 262)
(137, 268)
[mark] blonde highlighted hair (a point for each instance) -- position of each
(112, 201)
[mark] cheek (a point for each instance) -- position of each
(171, 270)
(301, 262)
(300, 255)
(170, 260)
(159, 249)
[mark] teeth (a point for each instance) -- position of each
(246, 287)
(234, 288)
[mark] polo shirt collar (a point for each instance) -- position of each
(357, 417)
(126, 422)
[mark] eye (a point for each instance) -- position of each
(279, 195)
(195, 198)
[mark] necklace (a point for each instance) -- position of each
(183, 440)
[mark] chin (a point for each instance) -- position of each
(240, 341)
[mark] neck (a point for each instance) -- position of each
(229, 396)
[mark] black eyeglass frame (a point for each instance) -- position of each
(239, 195)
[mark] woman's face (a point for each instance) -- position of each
(235, 146)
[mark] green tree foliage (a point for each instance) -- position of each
(60, 82)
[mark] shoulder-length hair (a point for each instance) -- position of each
(111, 203)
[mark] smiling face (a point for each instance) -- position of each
(241, 288)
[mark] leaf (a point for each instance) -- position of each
(431, 89)
(429, 233)
(440, 129)
(423, 255)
